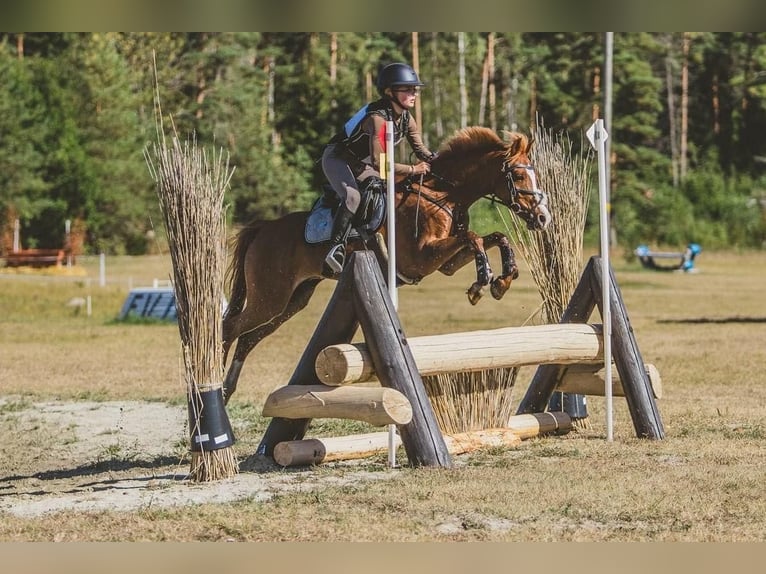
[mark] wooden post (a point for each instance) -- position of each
(627, 358)
(394, 363)
(546, 377)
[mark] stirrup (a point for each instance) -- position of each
(336, 258)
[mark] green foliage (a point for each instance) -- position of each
(77, 110)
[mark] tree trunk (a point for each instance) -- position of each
(669, 85)
(461, 77)
(438, 120)
(484, 89)
(685, 105)
(333, 57)
(416, 67)
(491, 75)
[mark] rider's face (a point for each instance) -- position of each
(405, 96)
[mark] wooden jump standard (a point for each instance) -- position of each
(627, 357)
(361, 299)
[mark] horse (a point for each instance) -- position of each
(274, 271)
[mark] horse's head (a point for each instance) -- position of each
(525, 198)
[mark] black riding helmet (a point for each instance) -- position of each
(397, 74)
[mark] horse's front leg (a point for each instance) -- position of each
(510, 270)
(483, 269)
(499, 285)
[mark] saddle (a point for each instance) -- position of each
(368, 219)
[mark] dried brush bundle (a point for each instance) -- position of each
(475, 400)
(555, 255)
(191, 185)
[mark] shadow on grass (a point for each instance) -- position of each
(99, 468)
(706, 320)
(254, 464)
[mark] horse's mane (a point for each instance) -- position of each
(483, 140)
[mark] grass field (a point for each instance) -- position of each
(704, 482)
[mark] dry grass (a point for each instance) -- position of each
(704, 482)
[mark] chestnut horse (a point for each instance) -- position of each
(274, 271)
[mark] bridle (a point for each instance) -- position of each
(540, 198)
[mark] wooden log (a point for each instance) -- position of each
(589, 379)
(317, 450)
(377, 406)
(461, 443)
(471, 351)
(536, 424)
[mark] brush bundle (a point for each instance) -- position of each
(555, 255)
(190, 186)
(473, 400)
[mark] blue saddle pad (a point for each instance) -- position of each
(319, 222)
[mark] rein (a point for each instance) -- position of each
(515, 192)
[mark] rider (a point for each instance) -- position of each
(353, 155)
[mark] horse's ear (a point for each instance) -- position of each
(517, 143)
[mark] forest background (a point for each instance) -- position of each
(688, 152)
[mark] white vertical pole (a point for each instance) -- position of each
(102, 270)
(67, 230)
(391, 244)
(608, 81)
(16, 236)
(390, 207)
(598, 136)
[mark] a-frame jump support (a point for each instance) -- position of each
(626, 355)
(361, 298)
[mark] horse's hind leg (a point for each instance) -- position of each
(247, 341)
(510, 270)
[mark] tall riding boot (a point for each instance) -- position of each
(341, 227)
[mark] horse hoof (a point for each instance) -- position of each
(474, 293)
(498, 289)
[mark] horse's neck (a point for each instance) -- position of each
(472, 185)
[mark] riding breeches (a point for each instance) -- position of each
(341, 177)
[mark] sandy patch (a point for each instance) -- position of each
(121, 456)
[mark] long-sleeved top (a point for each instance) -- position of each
(361, 140)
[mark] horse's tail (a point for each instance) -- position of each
(235, 274)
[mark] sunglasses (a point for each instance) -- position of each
(408, 90)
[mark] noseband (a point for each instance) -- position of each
(515, 192)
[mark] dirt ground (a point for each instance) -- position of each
(120, 455)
